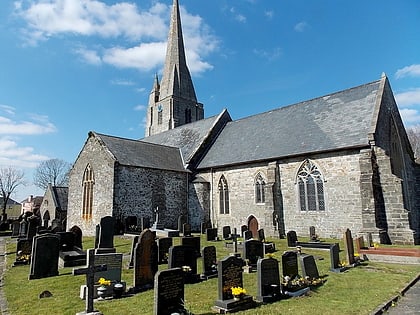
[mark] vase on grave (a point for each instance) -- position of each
(101, 291)
(118, 290)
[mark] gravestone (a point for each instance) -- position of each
(243, 229)
(15, 228)
(292, 238)
(157, 225)
(97, 228)
(248, 235)
(211, 234)
(181, 257)
(181, 220)
(335, 258)
(44, 262)
(194, 242)
(144, 223)
(169, 292)
(164, 243)
(360, 243)
(204, 226)
(349, 248)
(289, 264)
(130, 224)
(268, 280)
(312, 235)
(145, 261)
(253, 250)
(308, 266)
(132, 252)
(23, 228)
(186, 229)
(229, 271)
(78, 236)
(261, 235)
(227, 232)
(106, 235)
(209, 262)
(71, 255)
(33, 223)
(23, 252)
(66, 240)
(89, 271)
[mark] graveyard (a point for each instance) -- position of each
(355, 289)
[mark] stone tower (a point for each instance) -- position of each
(173, 102)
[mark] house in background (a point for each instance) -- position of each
(31, 204)
(13, 209)
(54, 206)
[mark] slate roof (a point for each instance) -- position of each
(335, 121)
(60, 195)
(190, 137)
(142, 154)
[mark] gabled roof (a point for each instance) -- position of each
(60, 195)
(138, 153)
(335, 121)
(194, 138)
(10, 202)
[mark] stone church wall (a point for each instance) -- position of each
(102, 165)
(198, 204)
(139, 191)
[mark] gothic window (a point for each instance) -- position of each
(88, 182)
(259, 189)
(310, 187)
(187, 115)
(223, 196)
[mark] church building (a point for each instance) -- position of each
(339, 161)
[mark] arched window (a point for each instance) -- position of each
(223, 196)
(88, 182)
(311, 187)
(259, 189)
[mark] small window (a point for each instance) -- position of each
(223, 196)
(259, 189)
(310, 187)
(88, 182)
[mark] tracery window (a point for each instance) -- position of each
(88, 182)
(223, 196)
(259, 189)
(310, 187)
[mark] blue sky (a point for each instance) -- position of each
(71, 66)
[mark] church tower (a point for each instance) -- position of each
(173, 102)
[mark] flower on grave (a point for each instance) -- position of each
(103, 282)
(356, 255)
(270, 255)
(238, 291)
(375, 245)
(342, 263)
(186, 269)
(296, 282)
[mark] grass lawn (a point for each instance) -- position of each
(359, 290)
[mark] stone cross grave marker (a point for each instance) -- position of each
(145, 261)
(164, 243)
(308, 266)
(348, 243)
(289, 264)
(132, 252)
(268, 280)
(253, 250)
(235, 236)
(90, 271)
(45, 251)
(209, 262)
(169, 292)
(211, 234)
(292, 239)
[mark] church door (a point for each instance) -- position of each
(253, 226)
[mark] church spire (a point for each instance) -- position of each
(173, 103)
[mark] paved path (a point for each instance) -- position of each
(3, 302)
(409, 303)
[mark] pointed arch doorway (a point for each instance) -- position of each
(253, 226)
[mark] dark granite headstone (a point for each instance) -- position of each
(132, 252)
(186, 229)
(261, 235)
(193, 241)
(253, 250)
(66, 240)
(248, 235)
(209, 262)
(44, 262)
(113, 261)
(308, 266)
(227, 232)
(130, 224)
(169, 292)
(33, 223)
(292, 238)
(335, 258)
(243, 229)
(23, 229)
(211, 234)
(23, 252)
(289, 263)
(205, 226)
(78, 236)
(164, 244)
(144, 223)
(181, 220)
(15, 228)
(349, 248)
(312, 235)
(184, 256)
(106, 232)
(145, 261)
(268, 280)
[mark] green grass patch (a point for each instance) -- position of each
(360, 290)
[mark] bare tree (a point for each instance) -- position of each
(54, 172)
(414, 137)
(10, 179)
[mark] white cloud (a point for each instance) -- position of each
(301, 27)
(408, 98)
(269, 14)
(274, 54)
(18, 156)
(9, 127)
(7, 109)
(89, 56)
(410, 116)
(237, 16)
(409, 71)
(122, 82)
(140, 107)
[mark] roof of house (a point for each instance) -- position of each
(60, 195)
(331, 122)
(10, 202)
(142, 154)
